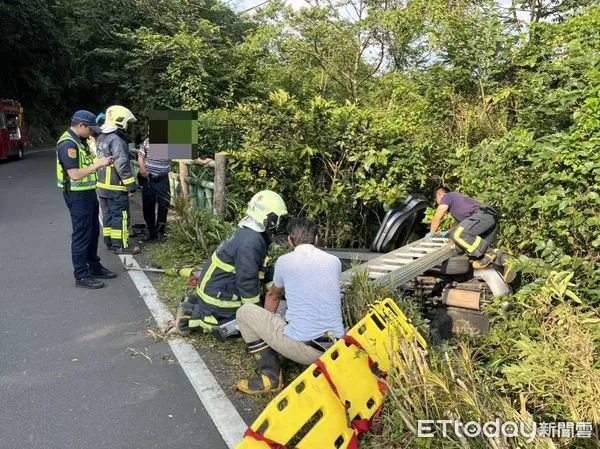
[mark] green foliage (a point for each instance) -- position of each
(550, 206)
(545, 346)
(333, 163)
(185, 57)
(63, 55)
(193, 237)
(34, 56)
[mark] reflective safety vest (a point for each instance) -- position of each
(85, 160)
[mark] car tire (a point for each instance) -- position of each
(19, 156)
(454, 265)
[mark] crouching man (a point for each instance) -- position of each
(310, 280)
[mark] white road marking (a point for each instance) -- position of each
(26, 151)
(226, 418)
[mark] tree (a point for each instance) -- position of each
(34, 56)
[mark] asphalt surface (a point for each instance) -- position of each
(69, 376)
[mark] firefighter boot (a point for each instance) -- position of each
(509, 271)
(183, 317)
(504, 262)
(270, 376)
(485, 261)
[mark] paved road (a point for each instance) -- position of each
(67, 376)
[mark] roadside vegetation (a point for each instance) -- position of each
(347, 106)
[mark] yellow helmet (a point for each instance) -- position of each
(267, 208)
(119, 116)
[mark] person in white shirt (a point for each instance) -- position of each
(310, 280)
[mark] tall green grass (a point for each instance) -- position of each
(539, 363)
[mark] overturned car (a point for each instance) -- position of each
(429, 270)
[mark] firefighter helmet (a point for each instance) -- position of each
(119, 117)
(267, 208)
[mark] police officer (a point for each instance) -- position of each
(231, 277)
(76, 176)
(116, 181)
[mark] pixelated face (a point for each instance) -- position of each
(173, 134)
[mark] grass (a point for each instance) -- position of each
(362, 294)
(170, 289)
(539, 362)
(229, 361)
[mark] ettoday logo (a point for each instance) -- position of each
(529, 430)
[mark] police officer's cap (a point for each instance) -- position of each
(86, 118)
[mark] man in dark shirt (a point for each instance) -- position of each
(154, 179)
(477, 225)
(155, 189)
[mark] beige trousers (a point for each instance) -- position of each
(257, 323)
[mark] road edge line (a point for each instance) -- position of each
(224, 415)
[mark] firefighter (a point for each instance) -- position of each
(116, 182)
(92, 144)
(231, 277)
(476, 229)
(76, 176)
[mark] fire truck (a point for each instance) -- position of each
(13, 135)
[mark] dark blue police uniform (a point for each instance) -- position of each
(80, 197)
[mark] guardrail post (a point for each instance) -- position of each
(219, 196)
(183, 174)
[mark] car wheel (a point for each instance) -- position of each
(454, 265)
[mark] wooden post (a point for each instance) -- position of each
(219, 197)
(183, 173)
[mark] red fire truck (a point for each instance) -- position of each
(13, 135)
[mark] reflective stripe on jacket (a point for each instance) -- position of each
(118, 176)
(85, 160)
(230, 277)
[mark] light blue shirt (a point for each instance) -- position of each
(311, 279)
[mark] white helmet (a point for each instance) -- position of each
(118, 117)
(266, 208)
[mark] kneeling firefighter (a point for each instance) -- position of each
(231, 277)
(117, 181)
